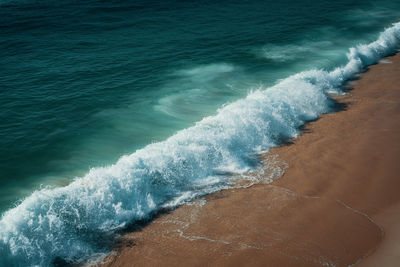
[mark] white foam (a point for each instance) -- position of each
(291, 52)
(191, 91)
(69, 221)
(208, 71)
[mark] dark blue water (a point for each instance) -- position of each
(83, 83)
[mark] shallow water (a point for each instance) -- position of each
(84, 83)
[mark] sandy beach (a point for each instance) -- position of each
(336, 205)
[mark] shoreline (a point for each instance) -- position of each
(331, 207)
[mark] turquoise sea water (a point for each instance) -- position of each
(114, 92)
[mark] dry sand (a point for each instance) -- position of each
(338, 203)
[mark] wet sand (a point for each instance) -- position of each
(337, 204)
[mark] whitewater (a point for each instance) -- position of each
(68, 222)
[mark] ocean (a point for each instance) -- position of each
(113, 110)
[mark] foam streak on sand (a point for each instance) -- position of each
(67, 222)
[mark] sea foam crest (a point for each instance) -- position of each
(68, 222)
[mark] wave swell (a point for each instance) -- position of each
(68, 222)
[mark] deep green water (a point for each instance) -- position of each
(83, 83)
